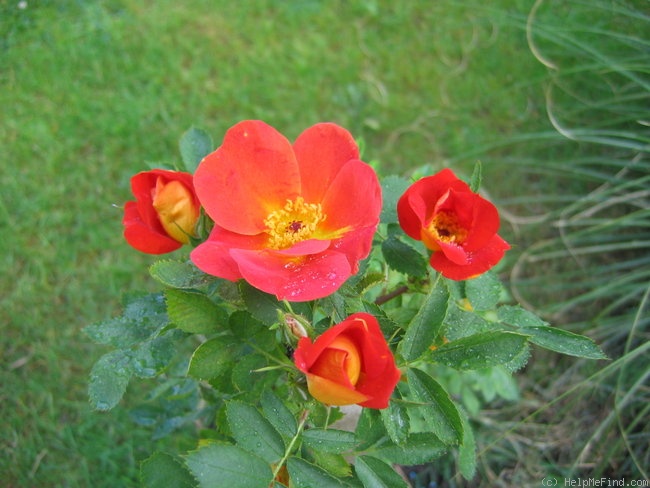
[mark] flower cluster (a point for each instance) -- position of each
(295, 220)
(312, 291)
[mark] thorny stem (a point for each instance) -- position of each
(287, 451)
(393, 294)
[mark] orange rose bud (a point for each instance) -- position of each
(176, 210)
(350, 363)
(163, 216)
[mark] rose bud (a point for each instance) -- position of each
(350, 363)
(163, 216)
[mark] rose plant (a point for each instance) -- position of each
(307, 284)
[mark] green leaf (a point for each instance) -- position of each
(226, 465)
(368, 281)
(482, 350)
(250, 330)
(153, 356)
(109, 378)
(194, 312)
(144, 316)
(518, 316)
(375, 473)
(396, 421)
(477, 176)
(307, 475)
(263, 306)
(335, 464)
(194, 145)
(564, 342)
(162, 469)
(253, 432)
(248, 380)
(403, 258)
(467, 450)
(461, 323)
(425, 326)
(387, 325)
(180, 274)
(392, 188)
(329, 440)
(484, 291)
(213, 358)
(370, 428)
(278, 414)
(438, 409)
(420, 448)
(334, 307)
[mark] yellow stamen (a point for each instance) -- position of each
(295, 222)
(443, 227)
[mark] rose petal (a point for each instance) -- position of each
(310, 246)
(213, 256)
(321, 151)
(253, 173)
(353, 199)
(332, 393)
(453, 252)
(478, 262)
(412, 213)
(297, 279)
(485, 224)
(331, 364)
(142, 237)
(356, 245)
(381, 387)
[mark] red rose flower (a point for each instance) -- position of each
(458, 225)
(293, 221)
(163, 216)
(350, 363)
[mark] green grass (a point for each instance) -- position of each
(92, 92)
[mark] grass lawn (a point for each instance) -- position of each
(93, 92)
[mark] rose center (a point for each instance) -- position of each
(445, 227)
(339, 362)
(295, 222)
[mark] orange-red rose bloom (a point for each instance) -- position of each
(292, 220)
(458, 225)
(350, 363)
(164, 213)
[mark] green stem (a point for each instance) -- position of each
(287, 452)
(282, 361)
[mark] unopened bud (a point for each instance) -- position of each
(296, 328)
